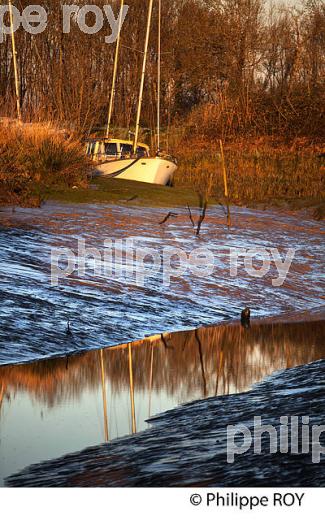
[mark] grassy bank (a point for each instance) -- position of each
(36, 158)
(116, 191)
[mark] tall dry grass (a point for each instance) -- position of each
(255, 173)
(34, 158)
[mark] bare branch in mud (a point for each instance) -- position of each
(170, 215)
(68, 329)
(204, 207)
(223, 208)
(204, 194)
(190, 215)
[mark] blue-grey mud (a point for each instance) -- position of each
(104, 311)
(62, 391)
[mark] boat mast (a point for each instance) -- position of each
(14, 56)
(137, 126)
(117, 50)
(159, 75)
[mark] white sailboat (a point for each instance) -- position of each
(131, 160)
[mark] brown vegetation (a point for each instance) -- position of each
(36, 157)
(230, 68)
(256, 173)
(237, 70)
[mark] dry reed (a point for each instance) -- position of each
(34, 158)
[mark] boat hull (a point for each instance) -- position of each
(153, 170)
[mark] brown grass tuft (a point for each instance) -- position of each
(36, 157)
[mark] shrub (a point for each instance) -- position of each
(36, 157)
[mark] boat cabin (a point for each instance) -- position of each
(106, 149)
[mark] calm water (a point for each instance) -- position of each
(108, 310)
(187, 446)
(54, 407)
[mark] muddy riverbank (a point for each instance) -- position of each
(105, 310)
(69, 391)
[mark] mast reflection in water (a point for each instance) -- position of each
(53, 407)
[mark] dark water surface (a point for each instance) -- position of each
(54, 407)
(105, 311)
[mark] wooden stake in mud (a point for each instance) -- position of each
(14, 57)
(225, 180)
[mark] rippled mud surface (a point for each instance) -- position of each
(105, 311)
(54, 407)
